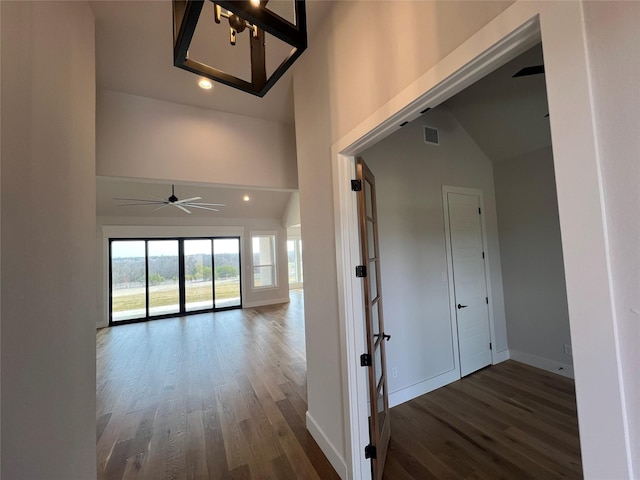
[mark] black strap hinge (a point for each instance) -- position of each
(490, 346)
(356, 185)
(365, 360)
(370, 451)
(361, 271)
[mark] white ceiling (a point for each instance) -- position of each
(506, 116)
(134, 54)
(262, 203)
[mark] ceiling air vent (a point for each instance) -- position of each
(431, 136)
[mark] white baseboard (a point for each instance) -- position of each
(502, 356)
(552, 366)
(335, 459)
(262, 303)
(102, 324)
(426, 386)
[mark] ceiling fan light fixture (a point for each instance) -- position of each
(252, 15)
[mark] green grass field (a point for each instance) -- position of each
(132, 299)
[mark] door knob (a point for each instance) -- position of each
(462, 306)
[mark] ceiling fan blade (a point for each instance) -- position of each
(187, 200)
(180, 207)
(136, 200)
(208, 204)
(158, 197)
(203, 208)
(526, 71)
(161, 206)
(131, 204)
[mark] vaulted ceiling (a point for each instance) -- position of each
(504, 115)
(134, 54)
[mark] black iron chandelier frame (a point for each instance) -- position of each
(186, 14)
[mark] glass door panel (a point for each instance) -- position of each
(226, 261)
(128, 280)
(294, 257)
(164, 274)
(291, 259)
(198, 275)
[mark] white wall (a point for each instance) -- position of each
(535, 295)
(357, 62)
(139, 137)
(612, 33)
(140, 227)
(291, 215)
(357, 73)
(409, 178)
(47, 250)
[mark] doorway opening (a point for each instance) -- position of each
(466, 66)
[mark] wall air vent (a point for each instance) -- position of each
(431, 136)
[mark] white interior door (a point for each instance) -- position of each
(469, 280)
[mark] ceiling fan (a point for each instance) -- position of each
(172, 200)
(526, 71)
(532, 70)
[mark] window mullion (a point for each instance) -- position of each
(146, 276)
(181, 277)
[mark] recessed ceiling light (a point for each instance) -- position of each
(205, 84)
(246, 198)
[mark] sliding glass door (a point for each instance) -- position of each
(163, 281)
(156, 278)
(198, 274)
(128, 280)
(227, 273)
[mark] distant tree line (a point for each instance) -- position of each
(131, 270)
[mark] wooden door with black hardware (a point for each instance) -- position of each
(374, 358)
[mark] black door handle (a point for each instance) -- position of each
(462, 306)
(383, 335)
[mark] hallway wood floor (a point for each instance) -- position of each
(211, 396)
(223, 396)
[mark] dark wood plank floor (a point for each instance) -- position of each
(212, 396)
(223, 396)
(509, 421)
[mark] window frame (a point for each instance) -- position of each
(274, 265)
(297, 251)
(181, 281)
